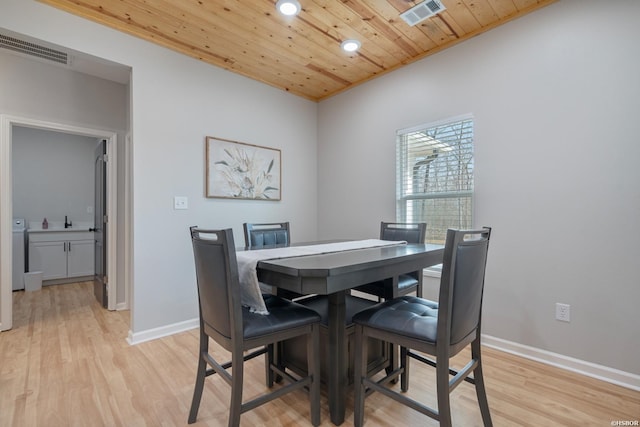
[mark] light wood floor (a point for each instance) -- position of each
(66, 363)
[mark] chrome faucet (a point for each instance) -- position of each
(66, 224)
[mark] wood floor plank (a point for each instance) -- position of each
(66, 363)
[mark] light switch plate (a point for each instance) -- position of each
(180, 202)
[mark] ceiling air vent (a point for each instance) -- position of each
(32, 49)
(422, 11)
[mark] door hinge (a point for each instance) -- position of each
(105, 158)
(105, 219)
(105, 279)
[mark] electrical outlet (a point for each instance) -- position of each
(180, 202)
(563, 312)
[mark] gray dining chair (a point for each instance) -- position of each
(406, 283)
(269, 235)
(244, 334)
(441, 329)
(260, 235)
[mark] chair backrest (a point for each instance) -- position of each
(218, 285)
(462, 285)
(266, 234)
(410, 232)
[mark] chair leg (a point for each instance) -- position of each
(393, 359)
(201, 374)
(235, 407)
(360, 372)
(313, 353)
(404, 364)
(481, 393)
(442, 386)
(278, 351)
(197, 392)
(391, 292)
(276, 359)
(268, 360)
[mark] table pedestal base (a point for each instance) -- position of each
(293, 353)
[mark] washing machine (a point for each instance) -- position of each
(18, 266)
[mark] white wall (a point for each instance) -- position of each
(52, 175)
(179, 103)
(555, 96)
(49, 92)
(176, 102)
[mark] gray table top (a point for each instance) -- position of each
(331, 272)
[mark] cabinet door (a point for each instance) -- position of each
(80, 261)
(50, 258)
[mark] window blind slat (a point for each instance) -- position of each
(435, 176)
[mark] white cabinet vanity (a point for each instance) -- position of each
(63, 255)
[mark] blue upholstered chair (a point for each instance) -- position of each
(274, 234)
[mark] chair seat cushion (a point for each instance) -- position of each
(408, 316)
(283, 314)
(407, 281)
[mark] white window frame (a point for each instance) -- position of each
(407, 184)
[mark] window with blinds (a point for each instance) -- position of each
(435, 176)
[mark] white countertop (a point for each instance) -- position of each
(57, 227)
(56, 230)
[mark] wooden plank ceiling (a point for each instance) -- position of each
(300, 54)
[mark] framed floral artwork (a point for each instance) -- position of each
(236, 170)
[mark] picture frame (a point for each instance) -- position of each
(237, 170)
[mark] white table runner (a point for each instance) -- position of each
(248, 262)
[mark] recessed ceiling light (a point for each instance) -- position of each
(350, 45)
(288, 7)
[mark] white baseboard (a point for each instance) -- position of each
(152, 334)
(604, 373)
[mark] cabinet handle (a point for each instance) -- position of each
(69, 246)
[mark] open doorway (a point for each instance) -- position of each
(7, 126)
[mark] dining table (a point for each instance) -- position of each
(334, 274)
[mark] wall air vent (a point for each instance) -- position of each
(32, 49)
(422, 11)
